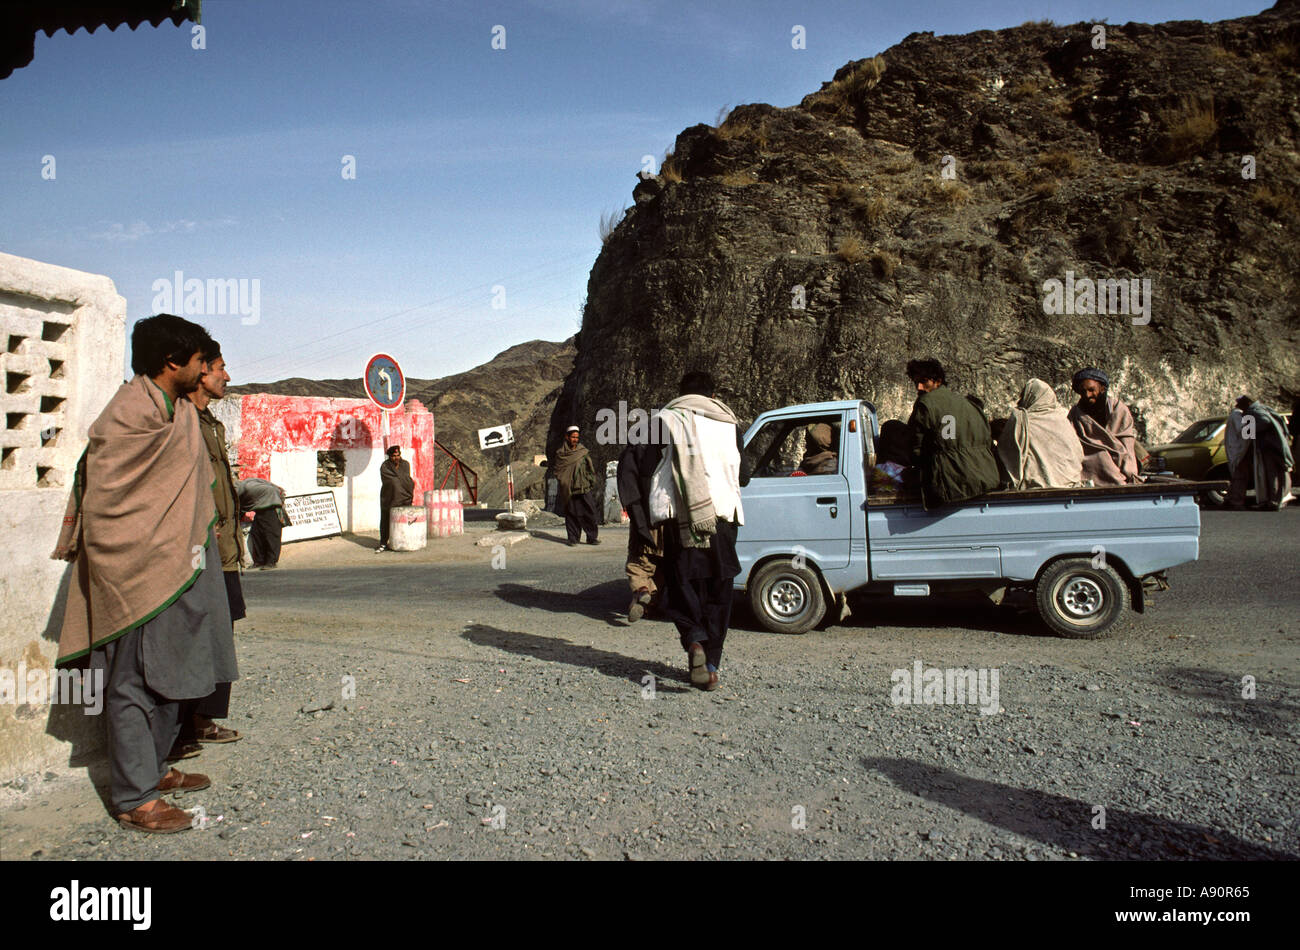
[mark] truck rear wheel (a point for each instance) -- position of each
(1080, 601)
(787, 598)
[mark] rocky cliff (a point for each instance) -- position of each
(939, 199)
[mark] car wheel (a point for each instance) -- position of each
(1212, 499)
(1081, 601)
(786, 598)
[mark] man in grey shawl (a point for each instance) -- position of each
(1240, 452)
(1106, 431)
(695, 493)
(575, 476)
(1038, 445)
(146, 602)
(1273, 458)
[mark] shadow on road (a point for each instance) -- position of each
(617, 665)
(1067, 823)
(360, 540)
(607, 602)
(1221, 699)
(968, 612)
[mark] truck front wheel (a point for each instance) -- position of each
(1080, 601)
(787, 598)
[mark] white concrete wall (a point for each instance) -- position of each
(61, 358)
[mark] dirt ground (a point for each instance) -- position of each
(501, 707)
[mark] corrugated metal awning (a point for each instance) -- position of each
(21, 20)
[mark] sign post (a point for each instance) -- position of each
(386, 386)
(501, 437)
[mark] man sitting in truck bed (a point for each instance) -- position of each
(1106, 430)
(951, 444)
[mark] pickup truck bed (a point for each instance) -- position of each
(809, 540)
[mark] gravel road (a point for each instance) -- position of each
(509, 711)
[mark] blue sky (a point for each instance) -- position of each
(476, 169)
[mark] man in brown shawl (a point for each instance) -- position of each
(1106, 431)
(1038, 445)
(575, 476)
(146, 601)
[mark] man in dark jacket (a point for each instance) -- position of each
(397, 488)
(951, 444)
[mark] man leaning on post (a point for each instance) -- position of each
(146, 602)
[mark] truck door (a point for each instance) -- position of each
(797, 495)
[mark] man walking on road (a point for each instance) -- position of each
(146, 601)
(696, 496)
(645, 541)
(396, 489)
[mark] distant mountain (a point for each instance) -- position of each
(519, 386)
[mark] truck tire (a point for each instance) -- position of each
(786, 598)
(1080, 601)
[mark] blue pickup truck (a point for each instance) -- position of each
(809, 540)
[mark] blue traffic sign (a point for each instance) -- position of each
(385, 383)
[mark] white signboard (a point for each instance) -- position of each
(495, 437)
(313, 516)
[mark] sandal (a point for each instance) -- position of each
(161, 819)
(177, 781)
(183, 750)
(215, 733)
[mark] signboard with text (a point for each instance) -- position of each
(312, 516)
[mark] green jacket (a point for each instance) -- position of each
(952, 448)
(230, 540)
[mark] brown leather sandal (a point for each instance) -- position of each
(215, 733)
(183, 750)
(177, 781)
(156, 817)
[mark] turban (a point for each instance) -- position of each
(1090, 372)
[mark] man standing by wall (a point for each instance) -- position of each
(576, 478)
(952, 446)
(199, 726)
(396, 488)
(1273, 458)
(147, 602)
(1240, 452)
(696, 495)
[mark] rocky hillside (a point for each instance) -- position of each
(519, 386)
(920, 202)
